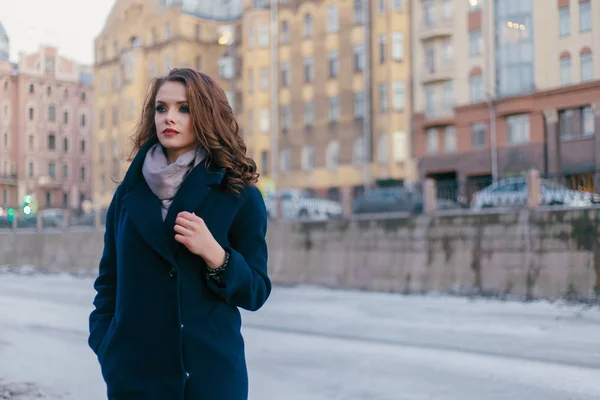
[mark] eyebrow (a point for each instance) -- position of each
(179, 102)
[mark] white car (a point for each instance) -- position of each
(301, 204)
(512, 192)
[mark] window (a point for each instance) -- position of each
(65, 117)
(450, 144)
(475, 43)
(587, 121)
(585, 16)
(83, 120)
(359, 105)
(446, 51)
(48, 199)
(66, 145)
(30, 170)
(382, 48)
(448, 95)
(82, 146)
(333, 64)
(518, 129)
(359, 58)
(358, 151)
(284, 162)
(400, 146)
(566, 124)
(82, 173)
(51, 141)
(308, 69)
(264, 120)
(264, 162)
(359, 17)
(398, 89)
(263, 35)
(167, 31)
(333, 154)
(429, 99)
(52, 169)
(65, 171)
(250, 37)
(383, 97)
(51, 114)
(65, 200)
(226, 67)
(264, 78)
(115, 115)
(332, 19)
(397, 46)
(31, 88)
(250, 80)
(397, 5)
(285, 118)
(31, 143)
(382, 148)
(587, 67)
(381, 6)
(308, 158)
(432, 141)
(285, 74)
(564, 21)
(565, 71)
(308, 114)
(308, 26)
(334, 109)
(476, 88)
(31, 113)
(285, 32)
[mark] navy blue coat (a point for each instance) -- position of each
(160, 329)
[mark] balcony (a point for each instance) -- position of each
(439, 111)
(435, 26)
(8, 179)
(437, 72)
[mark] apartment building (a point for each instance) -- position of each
(502, 86)
(143, 39)
(45, 130)
(326, 105)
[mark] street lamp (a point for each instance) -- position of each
(489, 94)
(227, 38)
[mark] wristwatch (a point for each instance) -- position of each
(215, 274)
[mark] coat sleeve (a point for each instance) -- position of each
(105, 284)
(245, 282)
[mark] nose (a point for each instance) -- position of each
(170, 117)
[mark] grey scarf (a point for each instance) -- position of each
(164, 179)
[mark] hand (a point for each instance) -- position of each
(192, 232)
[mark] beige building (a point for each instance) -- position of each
(502, 86)
(329, 90)
(142, 39)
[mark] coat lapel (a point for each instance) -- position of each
(193, 192)
(144, 211)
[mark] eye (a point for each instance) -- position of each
(160, 109)
(184, 109)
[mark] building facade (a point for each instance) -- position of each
(326, 95)
(506, 87)
(45, 130)
(142, 40)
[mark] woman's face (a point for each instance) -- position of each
(173, 120)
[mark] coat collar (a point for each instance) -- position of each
(143, 206)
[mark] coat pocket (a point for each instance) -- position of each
(107, 339)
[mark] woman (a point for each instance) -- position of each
(184, 248)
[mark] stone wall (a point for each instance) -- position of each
(539, 253)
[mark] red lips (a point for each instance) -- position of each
(170, 132)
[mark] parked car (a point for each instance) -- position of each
(512, 192)
(396, 199)
(301, 204)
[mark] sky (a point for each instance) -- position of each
(70, 25)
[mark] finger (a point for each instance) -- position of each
(181, 239)
(186, 223)
(190, 216)
(183, 230)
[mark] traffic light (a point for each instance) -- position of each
(27, 199)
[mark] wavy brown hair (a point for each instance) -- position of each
(212, 120)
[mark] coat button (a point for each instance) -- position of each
(172, 273)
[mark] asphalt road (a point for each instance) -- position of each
(316, 344)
